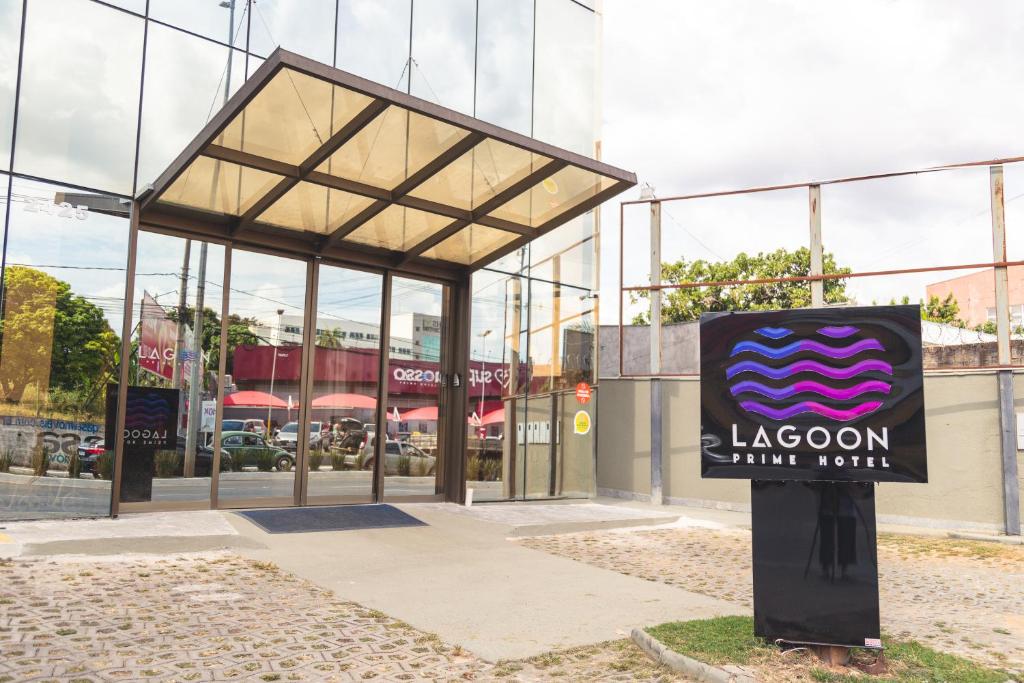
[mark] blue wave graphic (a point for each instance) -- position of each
(808, 345)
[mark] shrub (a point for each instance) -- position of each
(74, 467)
(360, 460)
(337, 461)
(264, 460)
(316, 458)
(239, 458)
(404, 466)
(473, 468)
(40, 461)
(6, 460)
(105, 465)
(491, 470)
(166, 463)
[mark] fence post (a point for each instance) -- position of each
(656, 486)
(1007, 417)
(817, 257)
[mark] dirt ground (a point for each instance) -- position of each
(961, 597)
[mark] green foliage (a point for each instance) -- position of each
(911, 662)
(239, 332)
(946, 311)
(337, 461)
(105, 465)
(722, 640)
(166, 463)
(239, 459)
(329, 339)
(264, 460)
(681, 305)
(316, 459)
(53, 339)
(6, 460)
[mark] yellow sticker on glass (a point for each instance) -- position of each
(581, 423)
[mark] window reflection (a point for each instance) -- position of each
(308, 31)
(504, 77)
(10, 38)
(443, 37)
(80, 94)
(187, 80)
(64, 298)
(564, 102)
(208, 18)
(373, 40)
(567, 254)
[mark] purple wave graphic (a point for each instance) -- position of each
(808, 345)
(811, 407)
(838, 332)
(774, 332)
(144, 412)
(808, 366)
(811, 387)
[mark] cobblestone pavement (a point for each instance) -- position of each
(963, 597)
(219, 617)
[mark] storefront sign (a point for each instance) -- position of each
(581, 422)
(208, 416)
(150, 418)
(824, 394)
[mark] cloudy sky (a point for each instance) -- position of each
(703, 96)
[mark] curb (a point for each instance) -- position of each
(1006, 540)
(700, 671)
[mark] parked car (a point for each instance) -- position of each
(288, 436)
(89, 453)
(420, 463)
(254, 425)
(251, 446)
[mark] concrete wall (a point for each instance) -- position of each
(964, 464)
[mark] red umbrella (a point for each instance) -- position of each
(339, 401)
(424, 413)
(254, 399)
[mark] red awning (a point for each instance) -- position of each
(254, 399)
(341, 401)
(494, 417)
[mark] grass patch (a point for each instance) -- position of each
(731, 640)
(723, 640)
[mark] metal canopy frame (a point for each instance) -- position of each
(244, 230)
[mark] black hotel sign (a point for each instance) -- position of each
(813, 394)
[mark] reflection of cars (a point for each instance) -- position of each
(420, 463)
(88, 456)
(253, 425)
(288, 435)
(251, 447)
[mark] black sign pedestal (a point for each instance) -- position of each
(815, 565)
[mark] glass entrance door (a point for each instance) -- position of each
(412, 457)
(343, 392)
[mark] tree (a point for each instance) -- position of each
(680, 305)
(52, 338)
(330, 339)
(945, 311)
(239, 333)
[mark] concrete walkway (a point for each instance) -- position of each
(460, 577)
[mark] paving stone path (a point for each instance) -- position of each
(219, 617)
(963, 597)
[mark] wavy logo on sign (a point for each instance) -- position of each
(767, 382)
(146, 411)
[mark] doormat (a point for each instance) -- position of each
(334, 518)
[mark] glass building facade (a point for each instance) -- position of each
(97, 98)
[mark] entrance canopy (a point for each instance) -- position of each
(314, 160)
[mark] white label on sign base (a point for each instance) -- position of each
(581, 423)
(208, 420)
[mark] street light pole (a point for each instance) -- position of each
(483, 368)
(273, 368)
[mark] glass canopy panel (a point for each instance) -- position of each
(313, 208)
(398, 228)
(378, 154)
(553, 196)
(479, 174)
(219, 187)
(291, 116)
(470, 244)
